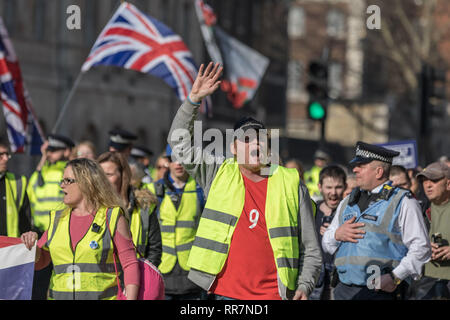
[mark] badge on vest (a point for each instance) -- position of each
(369, 217)
(93, 244)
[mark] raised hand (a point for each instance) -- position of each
(206, 82)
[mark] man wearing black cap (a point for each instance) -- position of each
(255, 238)
(45, 195)
(378, 233)
(121, 141)
(43, 187)
(142, 155)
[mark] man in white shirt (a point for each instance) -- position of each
(378, 233)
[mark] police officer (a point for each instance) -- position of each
(142, 155)
(43, 188)
(378, 233)
(121, 141)
(15, 217)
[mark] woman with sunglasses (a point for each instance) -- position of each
(81, 239)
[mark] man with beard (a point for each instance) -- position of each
(256, 236)
(331, 185)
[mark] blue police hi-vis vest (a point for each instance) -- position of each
(382, 243)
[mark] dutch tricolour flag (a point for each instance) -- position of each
(16, 269)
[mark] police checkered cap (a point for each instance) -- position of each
(59, 142)
(368, 152)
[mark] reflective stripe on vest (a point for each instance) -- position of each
(381, 246)
(178, 227)
(48, 197)
(139, 224)
(223, 209)
(88, 271)
(15, 193)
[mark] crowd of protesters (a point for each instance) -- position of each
(366, 230)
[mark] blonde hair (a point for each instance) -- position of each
(94, 185)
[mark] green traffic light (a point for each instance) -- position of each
(316, 111)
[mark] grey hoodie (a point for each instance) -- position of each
(310, 259)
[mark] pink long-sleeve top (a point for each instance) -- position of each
(79, 225)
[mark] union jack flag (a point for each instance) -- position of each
(133, 40)
(22, 128)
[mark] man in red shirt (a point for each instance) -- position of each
(256, 237)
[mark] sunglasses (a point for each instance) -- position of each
(7, 154)
(67, 181)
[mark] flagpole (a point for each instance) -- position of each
(66, 103)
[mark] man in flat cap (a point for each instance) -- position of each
(436, 184)
(378, 233)
(45, 195)
(121, 141)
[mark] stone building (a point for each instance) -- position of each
(51, 57)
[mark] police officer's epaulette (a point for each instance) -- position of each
(354, 196)
(386, 192)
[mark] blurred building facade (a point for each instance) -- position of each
(332, 31)
(51, 57)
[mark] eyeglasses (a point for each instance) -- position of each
(67, 181)
(7, 154)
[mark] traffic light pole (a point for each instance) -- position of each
(322, 130)
(424, 119)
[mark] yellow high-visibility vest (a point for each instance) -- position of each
(178, 227)
(139, 224)
(87, 272)
(15, 194)
(47, 197)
